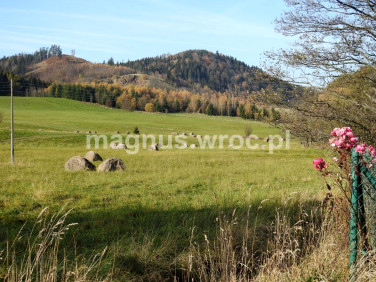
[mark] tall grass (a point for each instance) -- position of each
(307, 248)
(38, 256)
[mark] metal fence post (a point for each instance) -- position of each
(370, 196)
(355, 181)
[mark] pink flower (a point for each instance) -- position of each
(344, 139)
(373, 153)
(335, 159)
(349, 134)
(319, 164)
(334, 131)
(331, 141)
(339, 143)
(361, 148)
(340, 132)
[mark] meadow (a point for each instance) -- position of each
(147, 214)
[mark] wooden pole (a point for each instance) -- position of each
(12, 123)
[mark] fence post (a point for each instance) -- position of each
(370, 195)
(362, 211)
(355, 182)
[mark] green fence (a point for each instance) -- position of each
(363, 208)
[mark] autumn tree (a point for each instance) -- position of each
(149, 107)
(332, 36)
(335, 41)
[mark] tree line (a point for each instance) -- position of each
(201, 69)
(150, 99)
(18, 63)
(22, 86)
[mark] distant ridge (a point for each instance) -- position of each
(195, 70)
(72, 69)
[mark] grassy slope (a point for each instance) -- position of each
(161, 195)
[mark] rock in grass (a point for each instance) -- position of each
(113, 145)
(78, 163)
(92, 156)
(121, 146)
(153, 147)
(112, 164)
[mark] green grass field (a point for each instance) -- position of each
(145, 214)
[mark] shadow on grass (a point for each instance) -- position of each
(148, 244)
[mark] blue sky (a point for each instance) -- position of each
(98, 30)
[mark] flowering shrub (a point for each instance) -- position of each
(319, 164)
(343, 141)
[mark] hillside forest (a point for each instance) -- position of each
(195, 81)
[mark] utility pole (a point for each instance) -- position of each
(11, 123)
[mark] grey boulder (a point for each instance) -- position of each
(112, 164)
(92, 156)
(78, 163)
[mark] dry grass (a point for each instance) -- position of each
(227, 258)
(312, 248)
(37, 256)
(366, 267)
(309, 250)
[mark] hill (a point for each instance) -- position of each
(197, 69)
(194, 70)
(71, 69)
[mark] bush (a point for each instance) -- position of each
(247, 130)
(136, 131)
(149, 107)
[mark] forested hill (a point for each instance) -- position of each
(20, 63)
(198, 71)
(200, 68)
